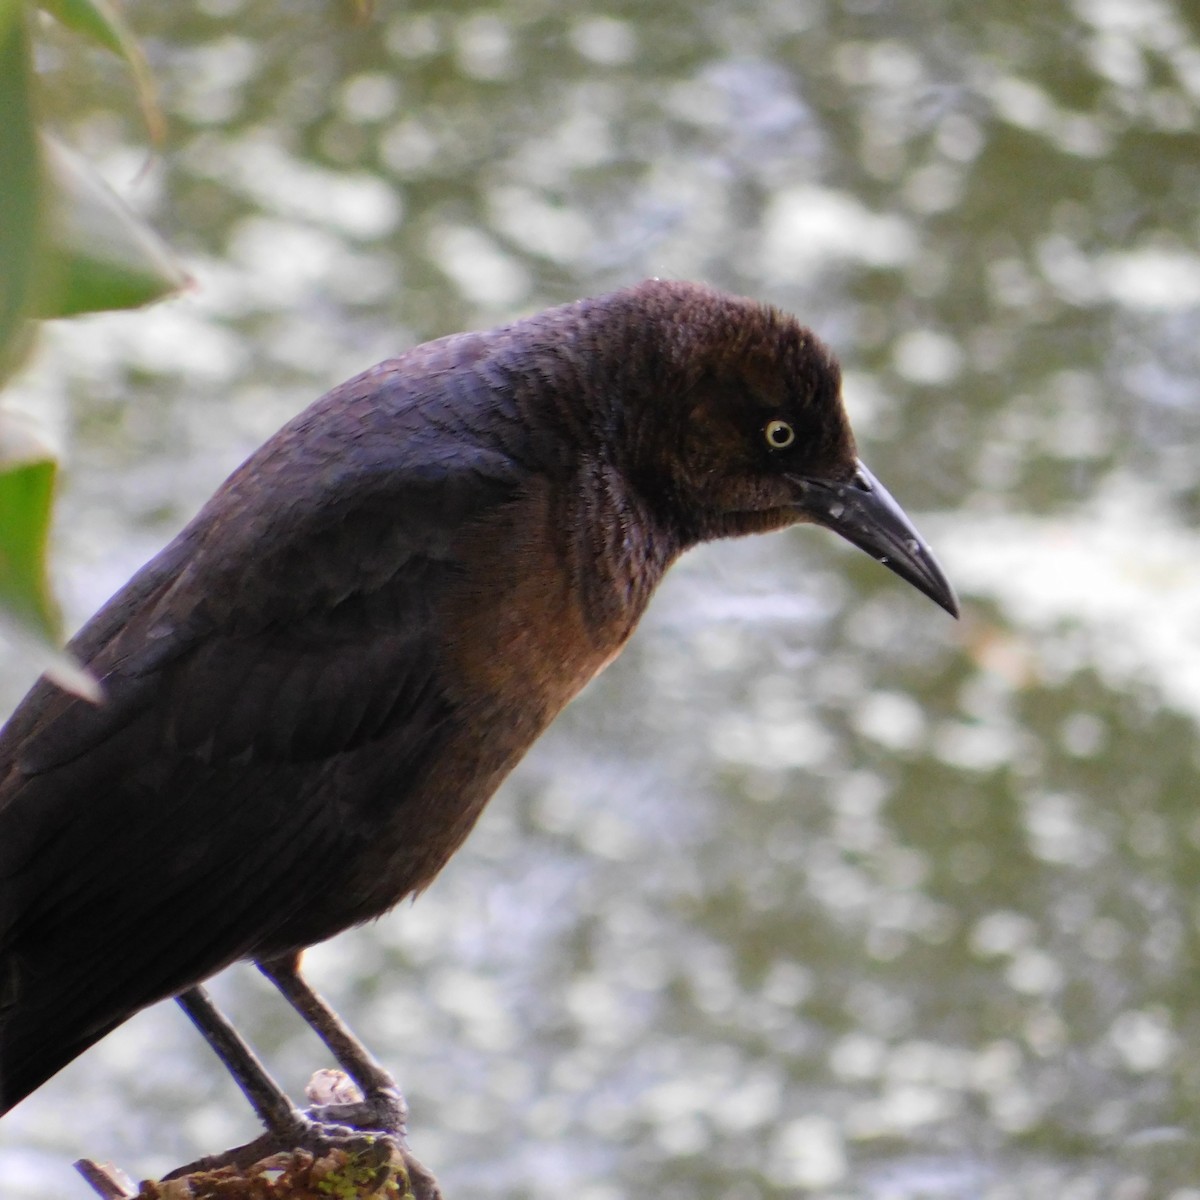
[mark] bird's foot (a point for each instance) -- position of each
(354, 1111)
(376, 1114)
(337, 1100)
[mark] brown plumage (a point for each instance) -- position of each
(314, 689)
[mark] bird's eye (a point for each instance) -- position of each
(779, 434)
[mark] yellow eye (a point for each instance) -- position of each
(779, 434)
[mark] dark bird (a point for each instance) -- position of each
(311, 693)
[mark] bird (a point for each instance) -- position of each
(311, 693)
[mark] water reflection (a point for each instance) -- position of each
(811, 892)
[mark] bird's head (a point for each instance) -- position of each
(743, 430)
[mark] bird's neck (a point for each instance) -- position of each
(618, 551)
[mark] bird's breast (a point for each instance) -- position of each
(536, 613)
(533, 612)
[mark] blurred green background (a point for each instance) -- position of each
(814, 892)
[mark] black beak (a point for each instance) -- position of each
(863, 512)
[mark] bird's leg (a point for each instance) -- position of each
(382, 1107)
(281, 1117)
(287, 1127)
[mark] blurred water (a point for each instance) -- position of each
(812, 892)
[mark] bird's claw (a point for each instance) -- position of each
(382, 1111)
(337, 1099)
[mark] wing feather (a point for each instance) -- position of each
(257, 673)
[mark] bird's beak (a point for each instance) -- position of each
(863, 512)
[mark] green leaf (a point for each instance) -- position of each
(99, 22)
(93, 19)
(28, 613)
(20, 191)
(100, 255)
(27, 476)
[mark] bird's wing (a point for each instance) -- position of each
(296, 651)
(150, 840)
(335, 531)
